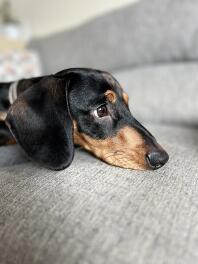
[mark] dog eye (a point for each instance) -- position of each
(101, 111)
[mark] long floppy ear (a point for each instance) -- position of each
(41, 123)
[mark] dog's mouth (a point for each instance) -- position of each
(126, 150)
(136, 159)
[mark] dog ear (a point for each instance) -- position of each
(40, 121)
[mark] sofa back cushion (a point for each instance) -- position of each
(149, 31)
(163, 93)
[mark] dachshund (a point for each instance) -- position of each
(51, 114)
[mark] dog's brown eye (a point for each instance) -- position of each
(101, 111)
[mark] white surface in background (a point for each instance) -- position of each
(48, 16)
(15, 31)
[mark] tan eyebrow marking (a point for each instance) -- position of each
(112, 82)
(126, 98)
(110, 96)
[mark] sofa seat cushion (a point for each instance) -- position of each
(96, 213)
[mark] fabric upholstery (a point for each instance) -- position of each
(163, 93)
(96, 213)
(149, 31)
(93, 213)
(11, 155)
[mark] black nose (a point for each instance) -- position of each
(156, 159)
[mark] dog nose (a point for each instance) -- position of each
(156, 159)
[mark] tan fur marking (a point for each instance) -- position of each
(110, 96)
(126, 98)
(11, 141)
(3, 116)
(127, 149)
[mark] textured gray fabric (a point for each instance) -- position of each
(11, 155)
(163, 93)
(146, 32)
(95, 213)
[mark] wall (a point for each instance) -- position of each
(48, 16)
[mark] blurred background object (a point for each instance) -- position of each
(13, 33)
(47, 16)
(17, 64)
(20, 20)
(15, 60)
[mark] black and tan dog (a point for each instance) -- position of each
(48, 115)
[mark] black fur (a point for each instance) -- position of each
(41, 119)
(4, 102)
(41, 123)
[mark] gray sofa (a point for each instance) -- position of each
(96, 213)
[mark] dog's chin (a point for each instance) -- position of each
(116, 152)
(139, 161)
(127, 164)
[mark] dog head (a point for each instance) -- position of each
(85, 107)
